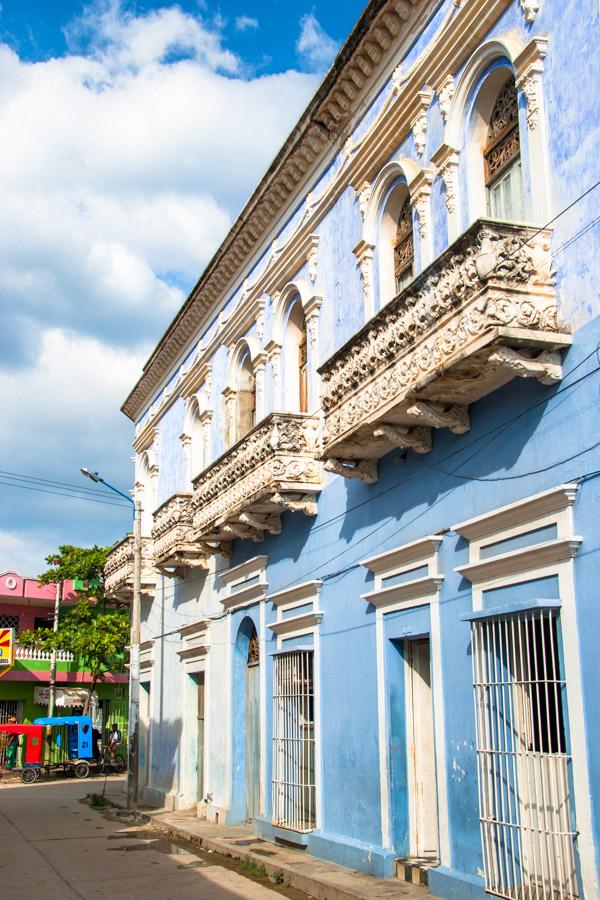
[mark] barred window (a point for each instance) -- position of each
(502, 156)
(10, 622)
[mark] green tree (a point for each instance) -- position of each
(91, 630)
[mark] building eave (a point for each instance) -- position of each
(364, 56)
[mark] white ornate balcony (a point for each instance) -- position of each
(271, 469)
(118, 570)
(173, 539)
(482, 313)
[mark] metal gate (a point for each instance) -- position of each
(294, 741)
(524, 777)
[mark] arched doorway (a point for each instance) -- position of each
(253, 727)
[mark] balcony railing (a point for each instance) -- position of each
(482, 313)
(173, 539)
(30, 653)
(271, 469)
(118, 571)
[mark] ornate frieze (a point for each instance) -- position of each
(118, 571)
(482, 313)
(243, 492)
(173, 538)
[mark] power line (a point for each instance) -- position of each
(48, 481)
(71, 496)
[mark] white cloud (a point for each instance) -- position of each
(314, 46)
(245, 23)
(122, 165)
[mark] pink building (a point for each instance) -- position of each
(26, 605)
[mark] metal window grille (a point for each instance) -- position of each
(8, 708)
(523, 767)
(10, 622)
(294, 742)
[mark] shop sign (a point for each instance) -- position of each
(7, 649)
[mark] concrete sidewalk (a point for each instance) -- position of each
(318, 878)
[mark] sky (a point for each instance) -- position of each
(131, 135)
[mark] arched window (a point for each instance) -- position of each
(246, 397)
(502, 156)
(296, 361)
(396, 243)
(404, 248)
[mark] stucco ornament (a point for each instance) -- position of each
(364, 195)
(313, 263)
(530, 9)
(488, 279)
(260, 320)
(118, 570)
(173, 541)
(449, 174)
(530, 84)
(277, 457)
(419, 132)
(445, 95)
(364, 261)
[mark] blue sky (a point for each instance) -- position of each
(132, 133)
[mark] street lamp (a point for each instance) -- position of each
(134, 642)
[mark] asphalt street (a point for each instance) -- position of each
(54, 847)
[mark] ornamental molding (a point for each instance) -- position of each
(364, 253)
(491, 283)
(363, 58)
(240, 494)
(530, 9)
(519, 513)
(517, 562)
(118, 570)
(419, 123)
(445, 95)
(363, 195)
(173, 538)
(446, 160)
(420, 197)
(529, 67)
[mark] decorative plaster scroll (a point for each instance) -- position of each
(493, 276)
(420, 195)
(419, 123)
(173, 538)
(446, 159)
(277, 456)
(546, 367)
(364, 195)
(417, 439)
(530, 9)
(445, 95)
(313, 262)
(312, 311)
(364, 256)
(118, 569)
(456, 418)
(306, 505)
(529, 67)
(271, 523)
(260, 320)
(366, 470)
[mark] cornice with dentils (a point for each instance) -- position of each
(353, 73)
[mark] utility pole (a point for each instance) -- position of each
(134, 660)
(134, 641)
(52, 697)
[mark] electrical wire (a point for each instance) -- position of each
(38, 479)
(72, 495)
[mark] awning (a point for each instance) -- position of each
(64, 697)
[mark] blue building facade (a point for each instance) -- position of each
(367, 455)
